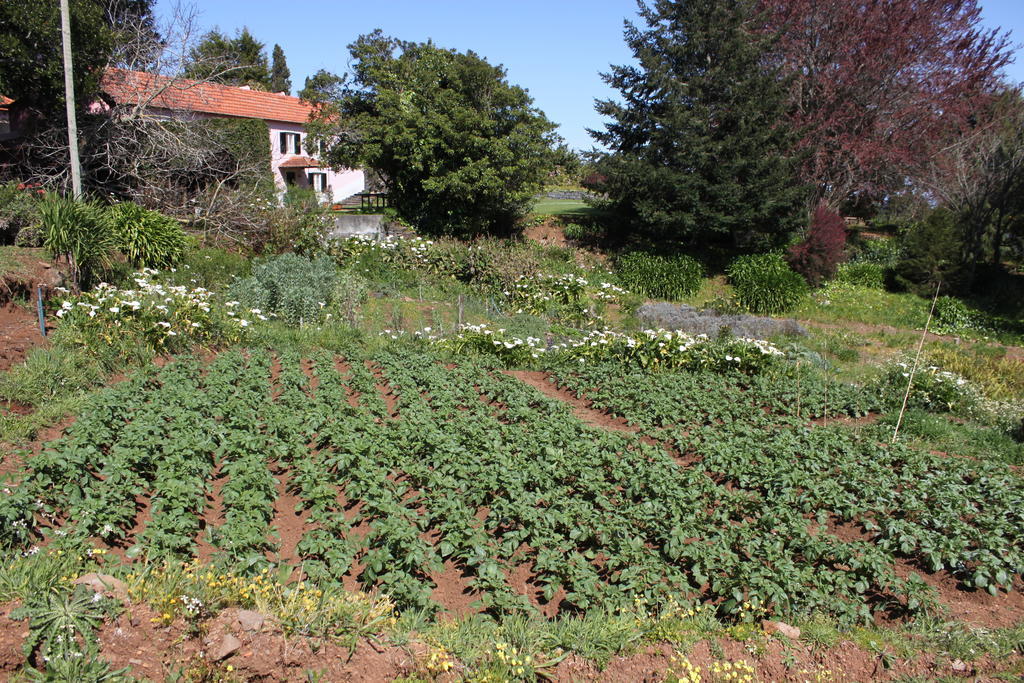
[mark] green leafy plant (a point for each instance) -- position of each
(861, 274)
(765, 284)
(81, 232)
(295, 289)
(148, 238)
(662, 277)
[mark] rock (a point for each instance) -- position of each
(104, 584)
(958, 665)
(135, 662)
(229, 645)
(248, 620)
(791, 632)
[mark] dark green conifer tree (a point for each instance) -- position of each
(280, 74)
(697, 149)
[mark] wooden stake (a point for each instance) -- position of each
(917, 359)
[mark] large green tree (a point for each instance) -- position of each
(460, 149)
(31, 61)
(697, 149)
(235, 61)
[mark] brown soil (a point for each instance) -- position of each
(581, 408)
(19, 334)
(547, 233)
(290, 521)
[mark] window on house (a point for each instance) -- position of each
(290, 143)
(318, 181)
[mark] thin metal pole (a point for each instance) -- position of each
(69, 100)
(39, 309)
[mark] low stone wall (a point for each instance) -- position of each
(578, 195)
(351, 224)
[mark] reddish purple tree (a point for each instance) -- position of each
(876, 83)
(823, 249)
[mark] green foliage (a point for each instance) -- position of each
(953, 316)
(350, 292)
(931, 255)
(211, 268)
(245, 140)
(660, 277)
(861, 274)
(503, 475)
(148, 238)
(280, 74)
(82, 232)
(300, 225)
(885, 252)
(33, 72)
(694, 161)
(463, 151)
(19, 214)
(765, 284)
(235, 61)
(296, 289)
(48, 373)
(118, 326)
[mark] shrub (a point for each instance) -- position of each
(861, 274)
(933, 389)
(19, 212)
(885, 252)
(953, 316)
(931, 254)
(765, 284)
(818, 256)
(211, 267)
(350, 292)
(81, 232)
(660, 277)
(300, 225)
(711, 323)
(291, 287)
(116, 324)
(148, 238)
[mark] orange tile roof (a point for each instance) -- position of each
(135, 87)
(299, 162)
(4, 101)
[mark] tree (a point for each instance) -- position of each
(821, 251)
(234, 61)
(460, 149)
(979, 174)
(874, 84)
(280, 74)
(30, 51)
(698, 150)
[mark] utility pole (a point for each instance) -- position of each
(69, 99)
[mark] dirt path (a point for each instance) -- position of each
(581, 408)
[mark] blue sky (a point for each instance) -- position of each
(553, 48)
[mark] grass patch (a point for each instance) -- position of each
(563, 207)
(946, 434)
(839, 303)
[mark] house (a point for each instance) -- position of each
(291, 162)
